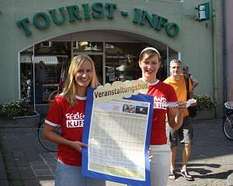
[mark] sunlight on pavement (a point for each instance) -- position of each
(47, 183)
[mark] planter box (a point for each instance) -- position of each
(27, 121)
(205, 114)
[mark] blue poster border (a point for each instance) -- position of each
(87, 120)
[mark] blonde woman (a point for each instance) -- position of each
(67, 112)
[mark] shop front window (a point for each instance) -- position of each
(122, 61)
(44, 66)
(87, 46)
(43, 70)
(92, 49)
(49, 76)
(26, 75)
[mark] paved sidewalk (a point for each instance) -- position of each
(28, 164)
(212, 156)
(3, 176)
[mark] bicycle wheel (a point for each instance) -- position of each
(228, 127)
(46, 144)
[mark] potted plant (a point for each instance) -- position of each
(20, 112)
(205, 107)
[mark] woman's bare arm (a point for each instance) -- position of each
(50, 134)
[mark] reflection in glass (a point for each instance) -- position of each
(121, 61)
(86, 46)
(49, 66)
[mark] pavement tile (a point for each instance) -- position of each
(16, 182)
(31, 182)
(38, 165)
(4, 182)
(2, 169)
(3, 176)
(45, 177)
(42, 172)
(26, 173)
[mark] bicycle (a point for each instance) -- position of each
(46, 144)
(228, 121)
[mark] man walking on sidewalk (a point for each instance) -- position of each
(184, 134)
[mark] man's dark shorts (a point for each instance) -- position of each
(183, 135)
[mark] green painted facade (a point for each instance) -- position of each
(171, 22)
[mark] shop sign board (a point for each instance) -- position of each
(96, 11)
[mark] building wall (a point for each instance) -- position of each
(217, 43)
(229, 48)
(195, 40)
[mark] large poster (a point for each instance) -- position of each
(117, 131)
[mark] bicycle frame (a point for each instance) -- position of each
(228, 121)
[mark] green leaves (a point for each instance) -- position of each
(204, 102)
(17, 108)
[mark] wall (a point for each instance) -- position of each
(194, 41)
(229, 48)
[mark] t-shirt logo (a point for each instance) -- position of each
(74, 120)
(160, 103)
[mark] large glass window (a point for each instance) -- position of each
(171, 54)
(44, 66)
(114, 61)
(94, 50)
(26, 74)
(87, 46)
(43, 69)
(98, 60)
(51, 60)
(49, 76)
(121, 61)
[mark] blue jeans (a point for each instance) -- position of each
(67, 175)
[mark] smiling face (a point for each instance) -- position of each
(84, 75)
(80, 76)
(149, 65)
